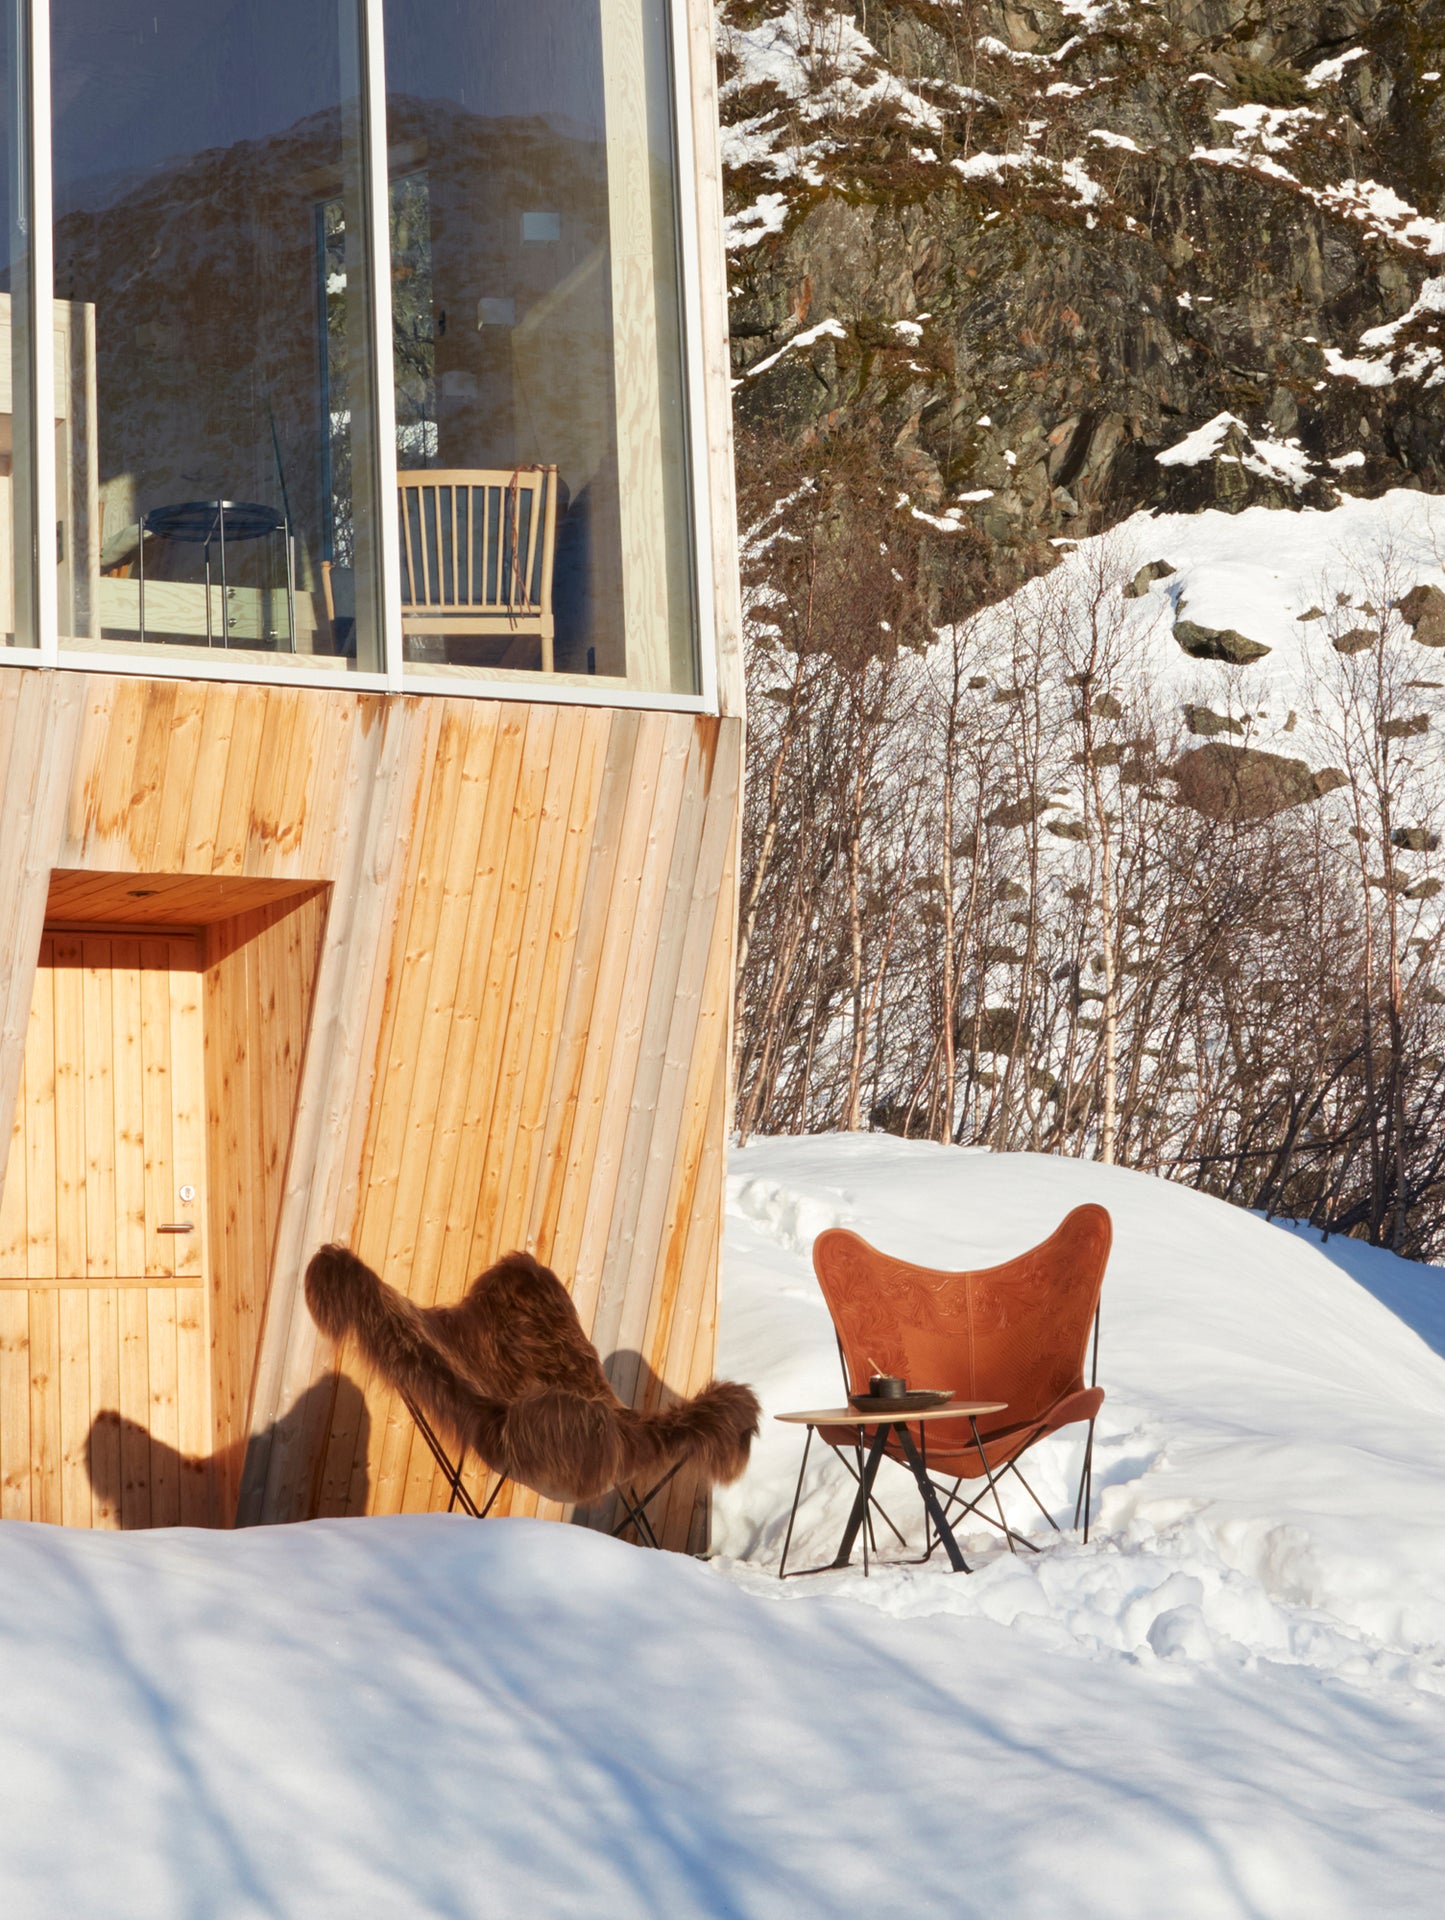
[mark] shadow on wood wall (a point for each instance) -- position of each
(137, 1477)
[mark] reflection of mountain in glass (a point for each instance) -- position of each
(230, 316)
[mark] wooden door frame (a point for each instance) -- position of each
(257, 945)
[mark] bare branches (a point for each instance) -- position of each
(974, 908)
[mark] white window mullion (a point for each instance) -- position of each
(42, 316)
(378, 187)
(700, 453)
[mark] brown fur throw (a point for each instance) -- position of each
(509, 1372)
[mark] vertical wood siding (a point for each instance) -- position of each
(501, 1020)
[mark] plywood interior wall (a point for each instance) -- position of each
(260, 977)
(516, 1034)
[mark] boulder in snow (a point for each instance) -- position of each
(1357, 640)
(1217, 643)
(1204, 720)
(1146, 576)
(1405, 729)
(1424, 609)
(1243, 783)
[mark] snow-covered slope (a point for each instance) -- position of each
(1232, 1703)
(1270, 1451)
(1294, 582)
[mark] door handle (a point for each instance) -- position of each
(177, 1226)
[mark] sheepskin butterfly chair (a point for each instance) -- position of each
(510, 1374)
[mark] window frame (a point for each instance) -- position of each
(396, 676)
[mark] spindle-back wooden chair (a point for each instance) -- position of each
(477, 547)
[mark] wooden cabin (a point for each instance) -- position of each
(370, 720)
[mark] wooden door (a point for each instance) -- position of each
(104, 1376)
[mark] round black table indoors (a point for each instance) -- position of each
(208, 523)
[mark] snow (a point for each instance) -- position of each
(1202, 444)
(1331, 69)
(822, 63)
(1272, 129)
(1068, 173)
(826, 72)
(767, 214)
(1266, 455)
(1415, 360)
(1431, 299)
(1000, 50)
(1385, 213)
(1257, 571)
(1230, 1703)
(825, 329)
(1247, 160)
(1377, 207)
(1366, 373)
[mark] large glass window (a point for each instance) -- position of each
(215, 472)
(540, 421)
(17, 538)
(365, 324)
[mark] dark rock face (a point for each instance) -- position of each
(1357, 640)
(1243, 783)
(1218, 643)
(1415, 839)
(1057, 246)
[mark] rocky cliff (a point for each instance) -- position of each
(1055, 263)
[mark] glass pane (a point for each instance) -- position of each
(217, 442)
(17, 535)
(540, 427)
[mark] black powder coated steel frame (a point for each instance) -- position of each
(860, 1518)
(634, 1505)
(1082, 1502)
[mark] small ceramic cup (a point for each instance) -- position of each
(887, 1386)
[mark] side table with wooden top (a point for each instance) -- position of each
(883, 1425)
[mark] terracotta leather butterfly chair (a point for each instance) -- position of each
(1019, 1332)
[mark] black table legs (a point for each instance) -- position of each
(860, 1502)
(877, 1447)
(931, 1502)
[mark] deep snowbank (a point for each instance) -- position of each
(1270, 1452)
(1230, 1704)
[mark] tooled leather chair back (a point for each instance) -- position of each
(1017, 1332)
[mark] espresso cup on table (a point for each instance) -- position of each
(887, 1386)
